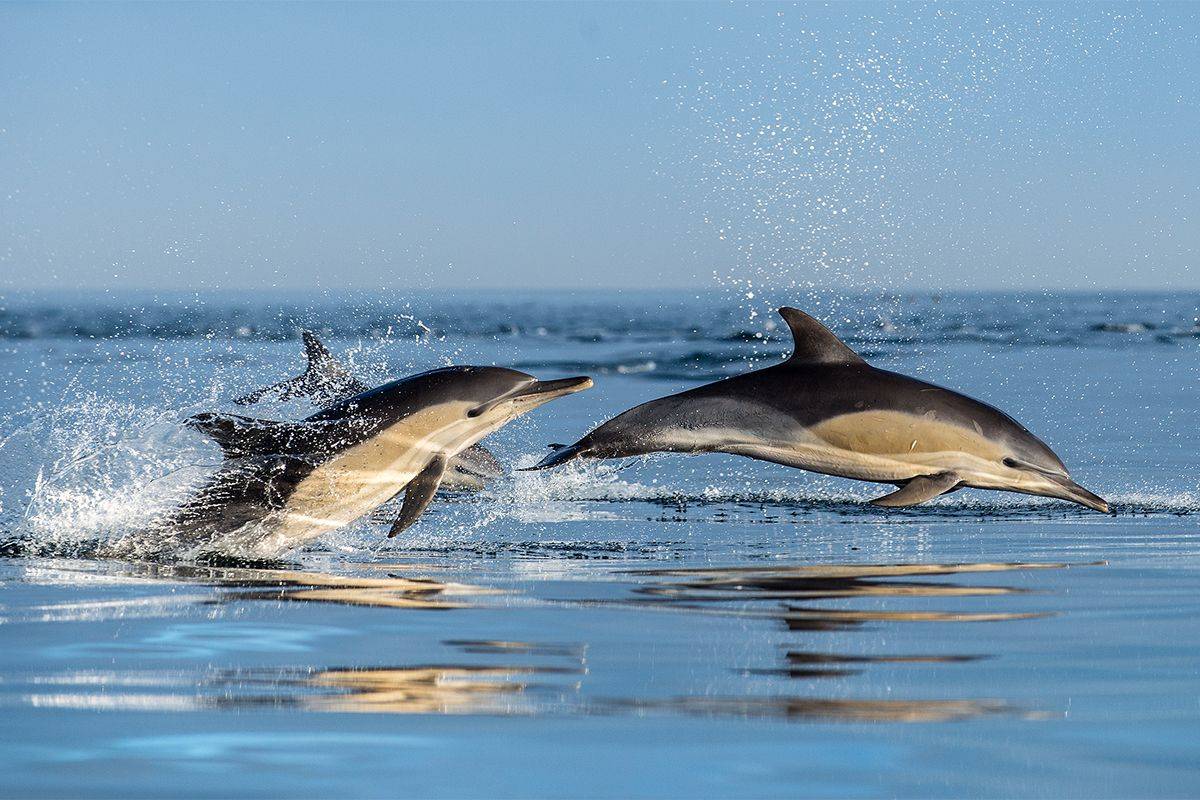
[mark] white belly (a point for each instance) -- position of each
(362, 478)
(881, 446)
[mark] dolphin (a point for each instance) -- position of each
(285, 483)
(826, 410)
(326, 380)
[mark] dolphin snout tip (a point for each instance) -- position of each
(1080, 495)
(561, 386)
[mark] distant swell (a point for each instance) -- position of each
(695, 329)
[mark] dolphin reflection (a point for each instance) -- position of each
(502, 676)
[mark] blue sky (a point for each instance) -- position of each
(173, 146)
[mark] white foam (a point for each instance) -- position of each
(102, 468)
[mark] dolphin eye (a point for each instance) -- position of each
(1011, 462)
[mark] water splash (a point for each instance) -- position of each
(835, 153)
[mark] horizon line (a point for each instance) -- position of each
(544, 290)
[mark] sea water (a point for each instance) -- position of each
(672, 626)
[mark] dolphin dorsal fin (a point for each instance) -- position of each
(815, 344)
(325, 379)
(240, 437)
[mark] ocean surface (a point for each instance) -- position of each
(671, 626)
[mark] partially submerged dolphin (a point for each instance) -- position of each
(827, 410)
(286, 483)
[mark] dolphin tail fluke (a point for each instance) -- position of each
(325, 379)
(918, 490)
(561, 455)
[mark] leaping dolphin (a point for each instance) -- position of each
(326, 380)
(827, 410)
(285, 483)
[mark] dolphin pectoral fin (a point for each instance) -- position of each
(918, 490)
(418, 493)
(325, 379)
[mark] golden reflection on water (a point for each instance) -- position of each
(255, 584)
(550, 678)
(392, 591)
(446, 689)
(458, 689)
(453, 688)
(426, 689)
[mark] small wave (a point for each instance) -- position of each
(606, 550)
(600, 484)
(1123, 327)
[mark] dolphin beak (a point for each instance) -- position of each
(1077, 494)
(537, 392)
(548, 390)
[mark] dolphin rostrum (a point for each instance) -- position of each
(326, 380)
(285, 483)
(827, 410)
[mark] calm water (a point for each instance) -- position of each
(676, 626)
